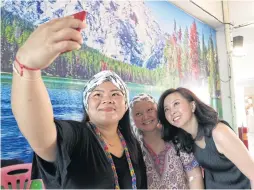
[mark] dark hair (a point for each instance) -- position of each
(207, 119)
(126, 130)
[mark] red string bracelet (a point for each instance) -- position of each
(22, 67)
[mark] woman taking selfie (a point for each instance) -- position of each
(99, 152)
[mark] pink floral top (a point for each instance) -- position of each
(167, 170)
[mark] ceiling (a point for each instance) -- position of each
(241, 12)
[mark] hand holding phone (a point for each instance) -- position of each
(81, 16)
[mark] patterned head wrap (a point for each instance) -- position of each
(138, 133)
(101, 77)
(135, 99)
(142, 97)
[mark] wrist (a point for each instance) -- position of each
(23, 57)
(26, 73)
(22, 67)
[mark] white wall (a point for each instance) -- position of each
(244, 79)
(249, 91)
(224, 71)
(243, 66)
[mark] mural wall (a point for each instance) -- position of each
(152, 45)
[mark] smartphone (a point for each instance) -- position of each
(81, 16)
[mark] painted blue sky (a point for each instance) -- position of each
(165, 13)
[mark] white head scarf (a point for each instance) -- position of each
(101, 77)
(142, 97)
(135, 99)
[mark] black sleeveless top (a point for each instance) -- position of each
(220, 172)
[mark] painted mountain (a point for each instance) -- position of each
(151, 45)
(145, 42)
(123, 30)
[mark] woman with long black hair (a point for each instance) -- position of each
(196, 126)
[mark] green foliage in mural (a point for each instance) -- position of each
(80, 64)
(187, 60)
(190, 61)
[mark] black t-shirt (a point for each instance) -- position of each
(81, 162)
(123, 172)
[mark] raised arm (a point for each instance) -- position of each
(30, 101)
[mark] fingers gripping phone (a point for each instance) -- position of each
(81, 16)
